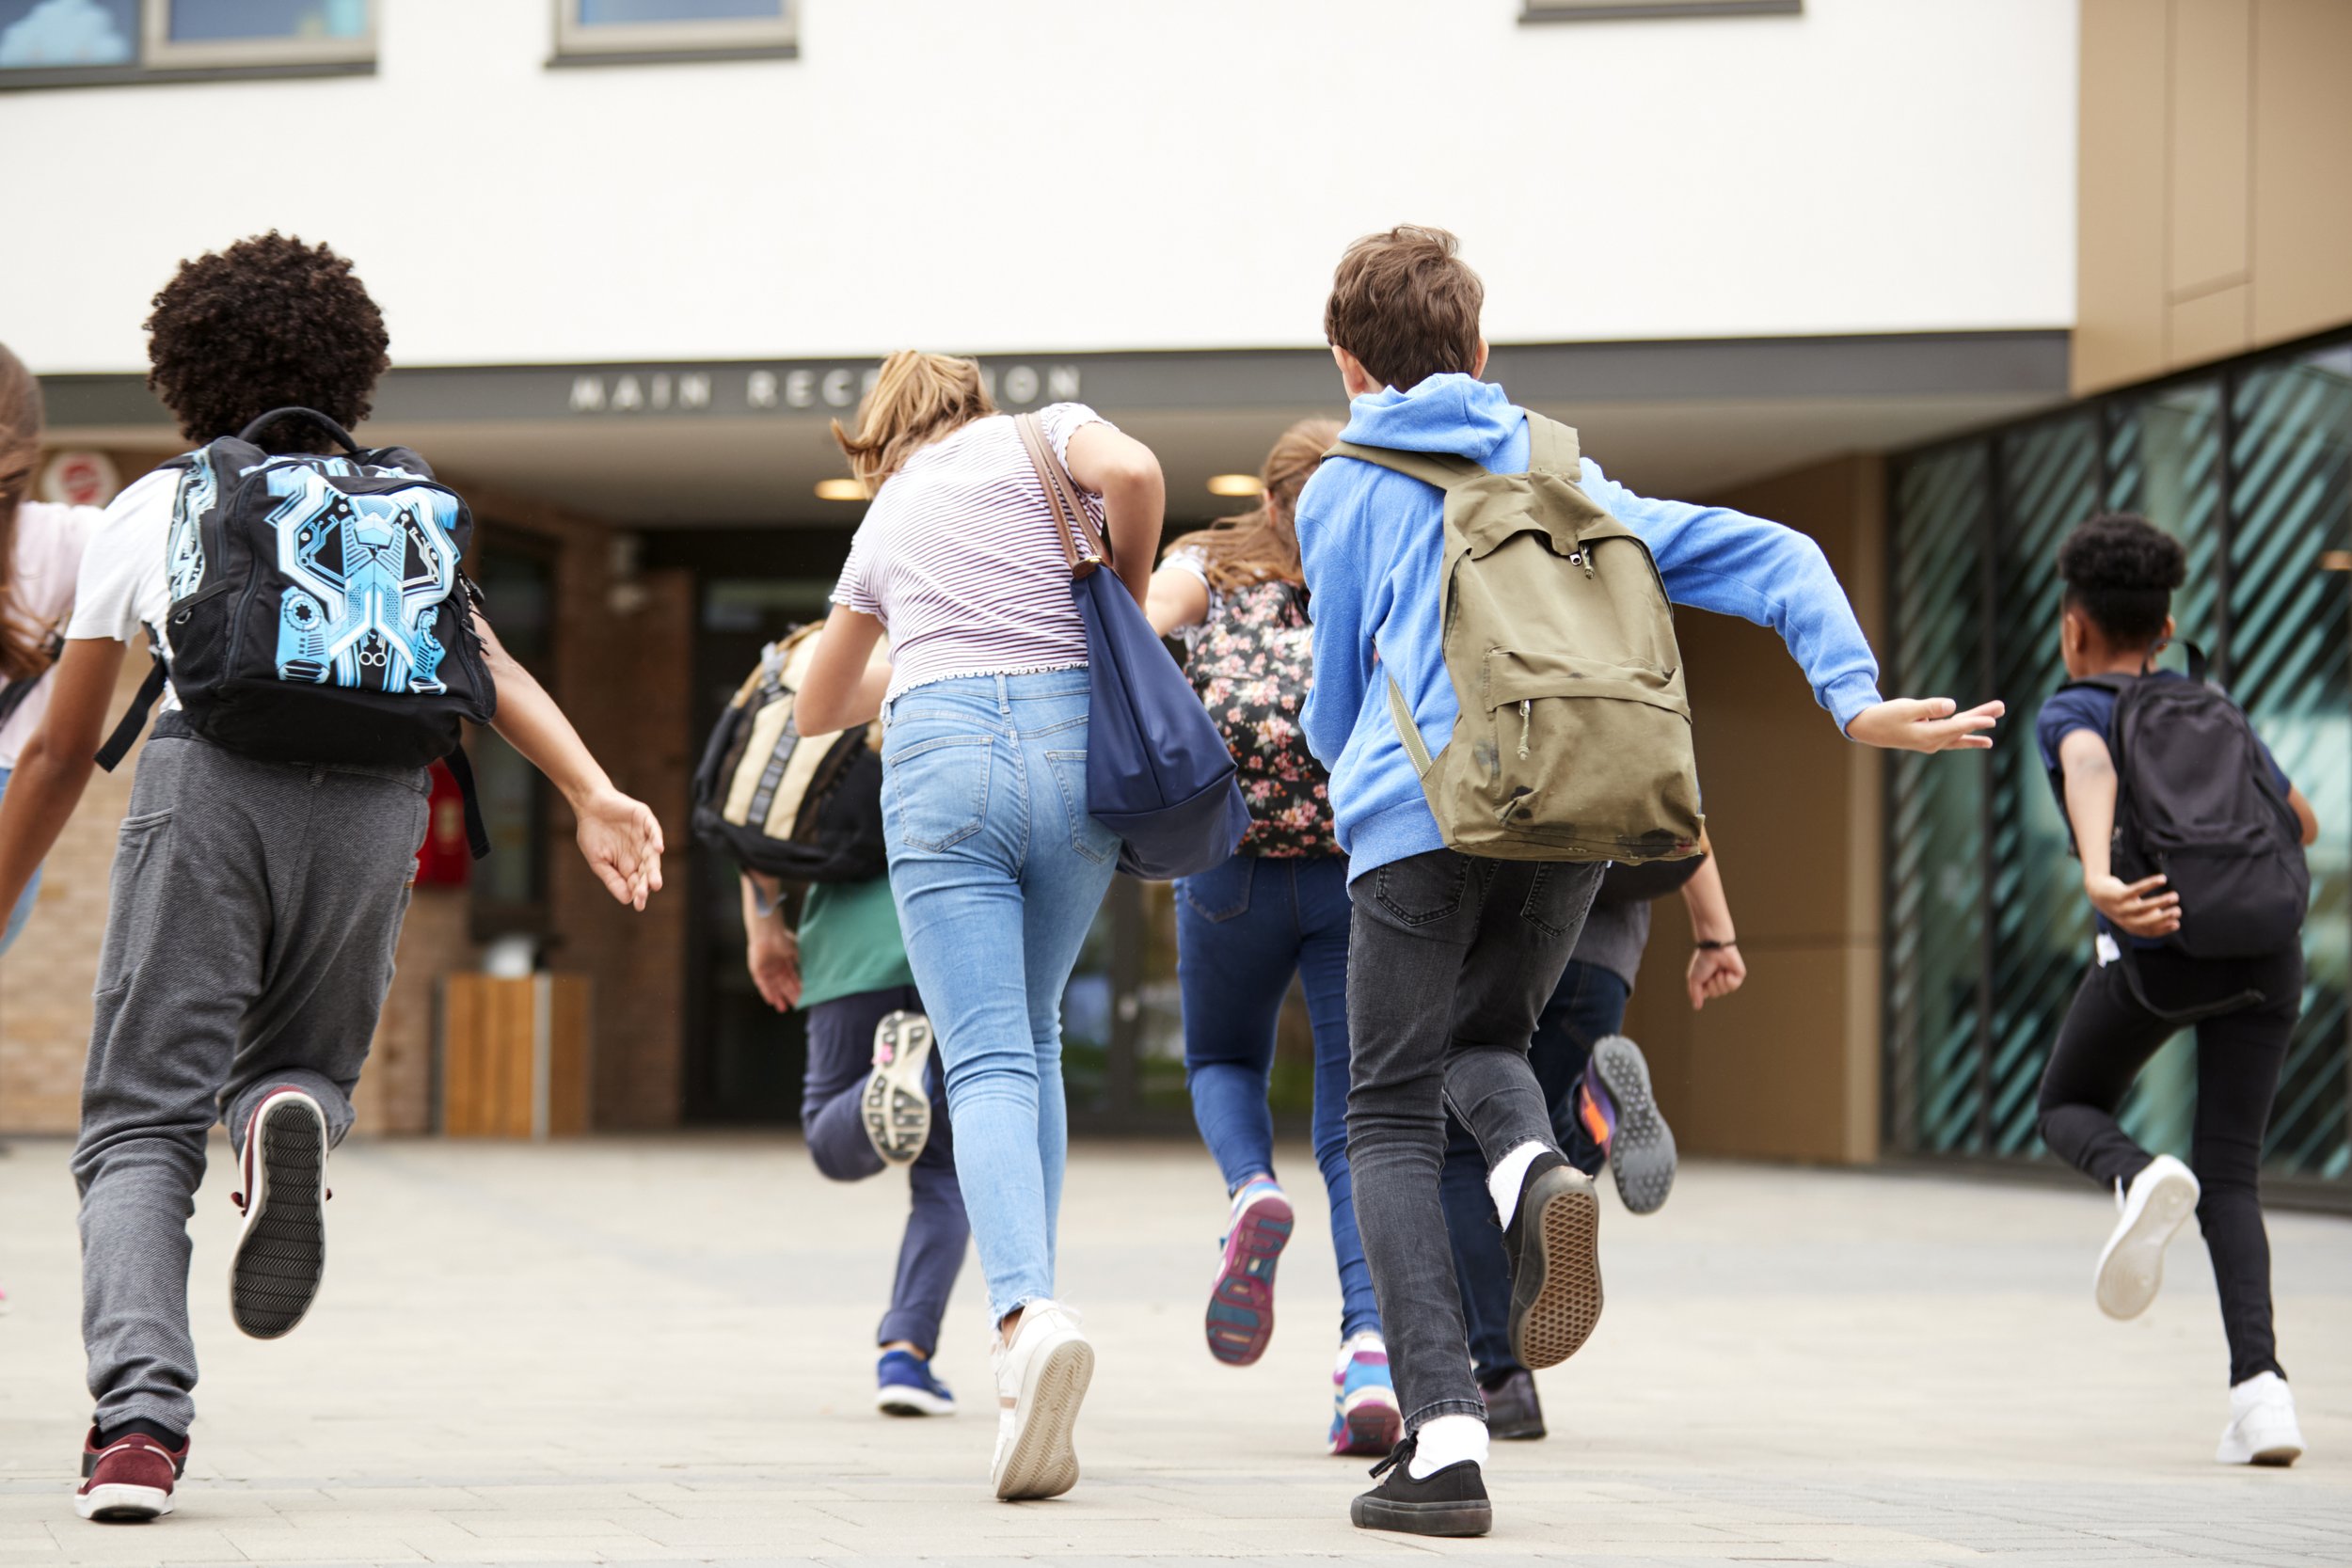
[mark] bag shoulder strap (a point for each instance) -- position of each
(150, 692)
(1553, 448)
(1072, 520)
(1442, 469)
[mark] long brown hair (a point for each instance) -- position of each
(1262, 545)
(916, 399)
(22, 418)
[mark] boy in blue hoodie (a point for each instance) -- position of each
(1452, 957)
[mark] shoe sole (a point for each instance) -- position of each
(118, 1504)
(912, 1402)
(1369, 1426)
(1241, 1303)
(1641, 1150)
(1369, 1513)
(1556, 1294)
(280, 1255)
(2131, 1270)
(1043, 1461)
(896, 1106)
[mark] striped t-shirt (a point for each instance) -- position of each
(957, 557)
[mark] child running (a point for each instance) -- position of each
(996, 864)
(41, 553)
(1277, 908)
(255, 905)
(865, 1099)
(1604, 1111)
(1452, 957)
(2146, 980)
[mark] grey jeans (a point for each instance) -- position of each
(1451, 960)
(254, 911)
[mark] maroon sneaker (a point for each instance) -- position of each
(280, 1255)
(128, 1481)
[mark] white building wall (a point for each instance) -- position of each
(1087, 174)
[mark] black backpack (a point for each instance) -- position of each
(318, 610)
(2195, 799)
(803, 808)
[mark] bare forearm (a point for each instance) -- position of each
(1710, 906)
(529, 722)
(43, 792)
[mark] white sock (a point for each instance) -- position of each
(1503, 1180)
(1448, 1440)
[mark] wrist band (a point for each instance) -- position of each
(1715, 946)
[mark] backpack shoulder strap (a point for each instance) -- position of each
(1552, 448)
(1441, 469)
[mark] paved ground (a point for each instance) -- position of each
(654, 1351)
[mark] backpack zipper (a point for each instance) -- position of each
(1523, 719)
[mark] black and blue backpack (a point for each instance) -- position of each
(319, 612)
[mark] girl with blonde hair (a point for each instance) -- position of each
(995, 865)
(1277, 909)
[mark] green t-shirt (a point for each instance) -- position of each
(849, 942)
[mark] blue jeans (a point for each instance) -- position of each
(840, 1059)
(1588, 1006)
(1243, 930)
(998, 871)
(23, 911)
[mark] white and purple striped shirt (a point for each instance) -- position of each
(957, 557)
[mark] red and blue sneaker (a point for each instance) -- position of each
(1620, 1115)
(1241, 1303)
(1364, 1417)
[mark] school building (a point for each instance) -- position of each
(1930, 281)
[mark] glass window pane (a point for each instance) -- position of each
(53, 34)
(1935, 845)
(223, 21)
(601, 14)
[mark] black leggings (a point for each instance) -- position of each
(2108, 1037)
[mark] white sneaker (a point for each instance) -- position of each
(2155, 1207)
(896, 1106)
(1041, 1380)
(2262, 1429)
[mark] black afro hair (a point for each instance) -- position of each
(269, 323)
(2120, 570)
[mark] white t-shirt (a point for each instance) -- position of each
(958, 558)
(47, 558)
(123, 584)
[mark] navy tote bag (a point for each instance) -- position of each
(1158, 773)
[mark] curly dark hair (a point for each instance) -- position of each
(269, 323)
(2120, 570)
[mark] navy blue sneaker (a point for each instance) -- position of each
(903, 1386)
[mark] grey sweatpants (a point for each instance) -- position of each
(255, 907)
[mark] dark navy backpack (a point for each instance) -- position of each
(318, 611)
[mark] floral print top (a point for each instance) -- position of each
(1251, 660)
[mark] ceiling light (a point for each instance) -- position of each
(840, 490)
(1236, 484)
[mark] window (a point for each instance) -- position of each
(594, 32)
(82, 42)
(1618, 10)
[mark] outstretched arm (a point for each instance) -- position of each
(54, 767)
(1714, 558)
(617, 835)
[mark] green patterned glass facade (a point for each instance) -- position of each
(2249, 465)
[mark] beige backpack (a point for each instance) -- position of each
(1574, 738)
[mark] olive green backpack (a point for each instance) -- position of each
(1574, 738)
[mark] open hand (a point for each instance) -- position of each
(1926, 724)
(2135, 908)
(622, 844)
(1714, 972)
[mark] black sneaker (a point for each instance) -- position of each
(1513, 1414)
(1555, 1284)
(1452, 1501)
(280, 1255)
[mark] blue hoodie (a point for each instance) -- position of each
(1373, 539)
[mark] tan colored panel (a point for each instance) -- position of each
(486, 1056)
(2303, 222)
(2210, 326)
(2212, 119)
(571, 1055)
(2119, 283)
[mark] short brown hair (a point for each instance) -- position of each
(1406, 304)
